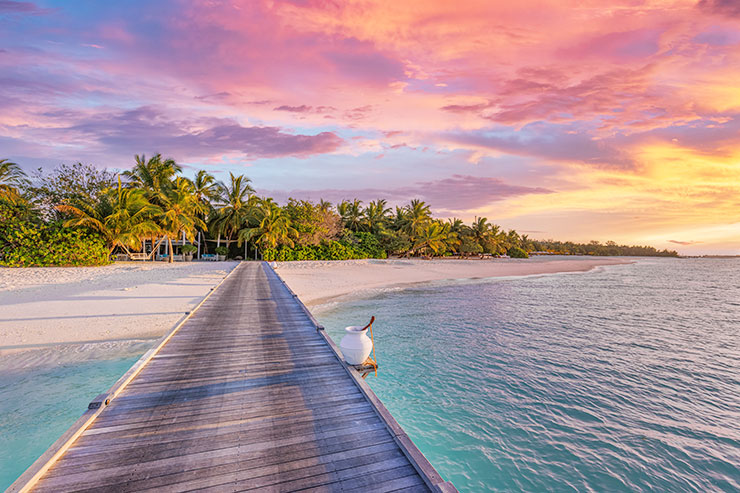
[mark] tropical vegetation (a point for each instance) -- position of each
(80, 215)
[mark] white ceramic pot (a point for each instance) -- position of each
(356, 345)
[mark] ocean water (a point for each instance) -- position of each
(626, 378)
(43, 392)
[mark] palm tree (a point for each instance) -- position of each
(180, 210)
(481, 230)
(351, 213)
(122, 217)
(239, 203)
(452, 236)
(431, 236)
(458, 227)
(376, 215)
(418, 215)
(155, 175)
(324, 206)
(399, 219)
(206, 189)
(12, 179)
(527, 244)
(273, 229)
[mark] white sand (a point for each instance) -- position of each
(131, 300)
(316, 283)
(142, 300)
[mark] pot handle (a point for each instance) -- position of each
(372, 319)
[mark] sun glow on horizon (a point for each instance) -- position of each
(575, 120)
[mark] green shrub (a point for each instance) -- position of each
(365, 243)
(25, 242)
(468, 246)
(361, 245)
(222, 250)
(188, 249)
(516, 252)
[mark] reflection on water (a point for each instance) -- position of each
(626, 378)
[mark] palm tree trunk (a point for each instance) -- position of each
(172, 251)
(153, 254)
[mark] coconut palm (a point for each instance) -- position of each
(453, 238)
(206, 189)
(399, 219)
(273, 227)
(376, 215)
(351, 213)
(155, 176)
(179, 214)
(238, 201)
(122, 217)
(431, 236)
(481, 230)
(12, 179)
(458, 227)
(528, 246)
(418, 216)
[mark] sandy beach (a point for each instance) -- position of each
(49, 306)
(52, 306)
(318, 282)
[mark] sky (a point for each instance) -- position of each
(572, 120)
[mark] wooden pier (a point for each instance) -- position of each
(247, 393)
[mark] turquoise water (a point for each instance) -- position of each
(626, 378)
(42, 393)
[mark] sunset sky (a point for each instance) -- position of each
(564, 119)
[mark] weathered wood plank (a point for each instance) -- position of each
(252, 456)
(270, 405)
(264, 438)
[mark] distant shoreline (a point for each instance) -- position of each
(318, 282)
(709, 256)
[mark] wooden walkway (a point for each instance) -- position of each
(248, 394)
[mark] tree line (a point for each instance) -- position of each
(116, 212)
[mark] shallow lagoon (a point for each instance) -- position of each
(43, 392)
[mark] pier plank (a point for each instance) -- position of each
(247, 395)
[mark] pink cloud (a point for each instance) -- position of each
(11, 7)
(456, 193)
(730, 8)
(684, 243)
(616, 46)
(467, 108)
(147, 129)
(294, 109)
